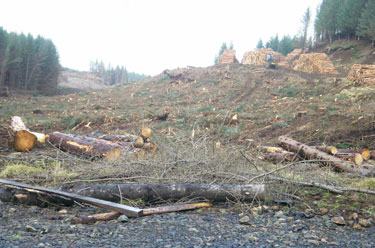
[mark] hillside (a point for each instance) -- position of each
(208, 124)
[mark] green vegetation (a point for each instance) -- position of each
(28, 63)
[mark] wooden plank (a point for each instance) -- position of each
(127, 210)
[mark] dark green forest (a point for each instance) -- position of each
(345, 19)
(28, 64)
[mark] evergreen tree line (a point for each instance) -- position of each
(285, 45)
(28, 63)
(114, 75)
(345, 19)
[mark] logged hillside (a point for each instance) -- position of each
(228, 103)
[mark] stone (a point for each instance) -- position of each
(353, 216)
(12, 210)
(313, 242)
(253, 238)
(63, 211)
(123, 218)
(324, 210)
(357, 226)
(338, 220)
(29, 228)
(365, 222)
(245, 220)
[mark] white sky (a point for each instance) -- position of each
(148, 36)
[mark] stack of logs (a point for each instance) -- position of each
(258, 57)
(228, 57)
(362, 74)
(314, 63)
(349, 160)
(293, 55)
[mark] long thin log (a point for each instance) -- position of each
(176, 191)
(129, 211)
(175, 208)
(86, 146)
(326, 159)
(146, 211)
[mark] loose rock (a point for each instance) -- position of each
(338, 220)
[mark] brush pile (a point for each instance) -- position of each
(258, 57)
(315, 63)
(362, 74)
(228, 57)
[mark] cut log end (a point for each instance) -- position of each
(146, 132)
(366, 154)
(139, 142)
(358, 160)
(24, 141)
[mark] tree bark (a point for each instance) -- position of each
(328, 149)
(86, 146)
(326, 159)
(177, 191)
(280, 157)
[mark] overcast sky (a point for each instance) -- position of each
(148, 36)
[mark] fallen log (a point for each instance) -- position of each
(366, 153)
(328, 149)
(272, 149)
(129, 211)
(177, 191)
(86, 146)
(324, 158)
(116, 138)
(146, 211)
(280, 157)
(353, 157)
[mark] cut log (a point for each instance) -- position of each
(366, 154)
(24, 141)
(175, 208)
(96, 217)
(147, 211)
(85, 146)
(139, 142)
(129, 211)
(116, 138)
(271, 149)
(325, 159)
(146, 132)
(353, 157)
(280, 157)
(150, 147)
(177, 191)
(328, 149)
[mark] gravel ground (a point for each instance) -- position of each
(29, 226)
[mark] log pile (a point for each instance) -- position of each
(228, 57)
(293, 55)
(258, 57)
(362, 74)
(314, 63)
(352, 161)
